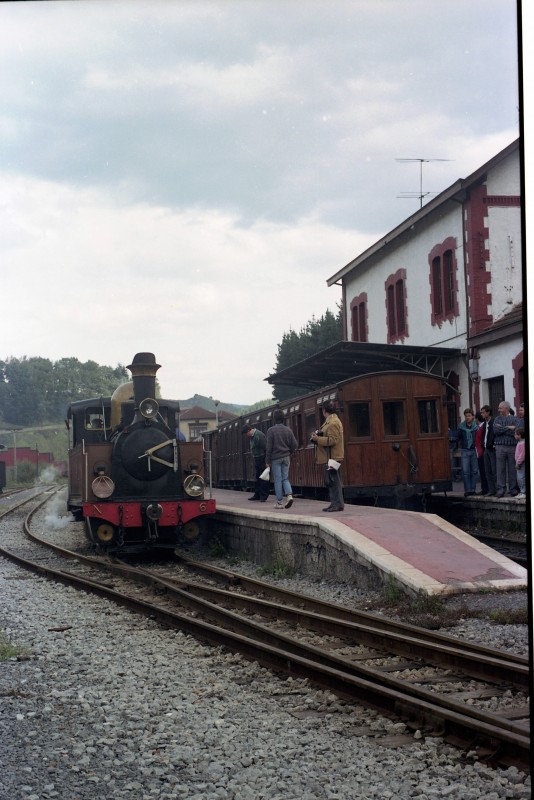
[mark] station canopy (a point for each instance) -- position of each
(351, 359)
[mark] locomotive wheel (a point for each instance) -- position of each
(190, 530)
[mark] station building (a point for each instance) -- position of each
(451, 276)
(196, 421)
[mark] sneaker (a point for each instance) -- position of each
(520, 496)
(289, 501)
(278, 506)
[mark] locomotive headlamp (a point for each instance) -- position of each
(154, 511)
(194, 485)
(105, 533)
(103, 487)
(148, 408)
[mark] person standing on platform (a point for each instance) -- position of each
(466, 442)
(504, 426)
(479, 447)
(281, 444)
(258, 446)
(520, 462)
(329, 441)
(490, 463)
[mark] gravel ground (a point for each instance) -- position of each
(106, 704)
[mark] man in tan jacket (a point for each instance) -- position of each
(329, 441)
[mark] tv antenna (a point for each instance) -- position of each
(421, 161)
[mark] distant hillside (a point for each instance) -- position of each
(234, 408)
(209, 405)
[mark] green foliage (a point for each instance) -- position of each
(257, 406)
(216, 548)
(9, 650)
(512, 616)
(317, 335)
(26, 473)
(393, 594)
(277, 570)
(35, 390)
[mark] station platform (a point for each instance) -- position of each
(417, 551)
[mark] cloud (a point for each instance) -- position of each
(210, 296)
(184, 176)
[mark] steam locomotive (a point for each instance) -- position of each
(133, 482)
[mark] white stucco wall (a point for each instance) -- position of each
(413, 257)
(496, 361)
(504, 266)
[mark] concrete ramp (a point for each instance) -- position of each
(367, 545)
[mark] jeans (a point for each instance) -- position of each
(521, 479)
(469, 469)
(280, 468)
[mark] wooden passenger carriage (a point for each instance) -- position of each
(395, 426)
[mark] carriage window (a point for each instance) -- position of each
(394, 418)
(310, 425)
(359, 420)
(428, 416)
(296, 427)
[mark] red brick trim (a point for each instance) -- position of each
(502, 200)
(476, 260)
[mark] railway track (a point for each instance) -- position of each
(434, 683)
(513, 548)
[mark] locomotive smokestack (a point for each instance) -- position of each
(143, 369)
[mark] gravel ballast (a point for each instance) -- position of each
(107, 704)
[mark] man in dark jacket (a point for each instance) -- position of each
(281, 444)
(258, 446)
(490, 462)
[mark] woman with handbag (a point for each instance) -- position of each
(329, 452)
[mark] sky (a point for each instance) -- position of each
(182, 177)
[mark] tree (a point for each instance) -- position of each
(316, 335)
(35, 390)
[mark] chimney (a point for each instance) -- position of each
(143, 369)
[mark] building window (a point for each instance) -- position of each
(196, 430)
(358, 310)
(396, 306)
(443, 282)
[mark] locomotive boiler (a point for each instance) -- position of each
(130, 478)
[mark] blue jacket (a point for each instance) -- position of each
(466, 435)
